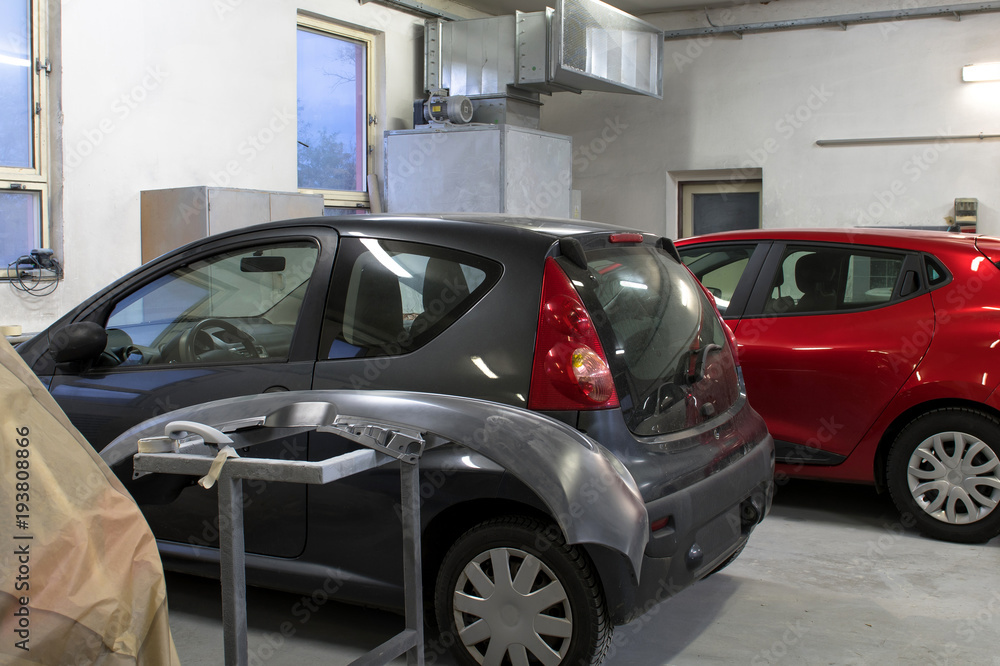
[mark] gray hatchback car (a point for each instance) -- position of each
(597, 327)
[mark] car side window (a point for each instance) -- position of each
(831, 279)
(719, 269)
(935, 273)
(398, 296)
(236, 306)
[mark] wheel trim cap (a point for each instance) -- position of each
(507, 613)
(954, 477)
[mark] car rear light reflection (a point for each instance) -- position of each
(570, 370)
(658, 525)
(625, 238)
(732, 343)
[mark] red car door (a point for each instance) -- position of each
(830, 334)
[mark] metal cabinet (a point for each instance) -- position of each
(478, 169)
(174, 217)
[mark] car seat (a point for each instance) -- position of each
(816, 278)
(445, 288)
(779, 304)
(377, 308)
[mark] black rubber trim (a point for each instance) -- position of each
(800, 454)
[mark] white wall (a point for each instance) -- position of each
(763, 101)
(171, 93)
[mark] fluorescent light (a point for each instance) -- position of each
(383, 257)
(481, 364)
(17, 62)
(632, 285)
(987, 71)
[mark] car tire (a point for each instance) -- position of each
(484, 621)
(943, 473)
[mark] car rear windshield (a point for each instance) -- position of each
(663, 337)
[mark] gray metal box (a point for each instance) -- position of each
(478, 169)
(174, 217)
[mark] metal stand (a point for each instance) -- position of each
(385, 445)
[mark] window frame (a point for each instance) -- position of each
(109, 305)
(911, 261)
(347, 198)
(35, 178)
(352, 250)
(688, 188)
(744, 288)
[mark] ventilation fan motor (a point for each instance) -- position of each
(456, 109)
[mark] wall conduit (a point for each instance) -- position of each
(905, 139)
(841, 21)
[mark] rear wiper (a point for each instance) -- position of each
(698, 372)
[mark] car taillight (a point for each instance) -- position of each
(570, 370)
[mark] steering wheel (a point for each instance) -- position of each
(186, 344)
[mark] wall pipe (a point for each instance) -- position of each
(842, 20)
(905, 139)
(418, 8)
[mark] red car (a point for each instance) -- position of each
(874, 357)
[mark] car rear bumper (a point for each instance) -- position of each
(707, 523)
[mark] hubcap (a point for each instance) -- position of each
(508, 603)
(954, 477)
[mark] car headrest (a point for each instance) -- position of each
(816, 270)
(444, 284)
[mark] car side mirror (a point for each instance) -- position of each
(78, 342)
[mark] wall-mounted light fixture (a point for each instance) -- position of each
(988, 71)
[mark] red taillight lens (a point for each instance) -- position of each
(570, 370)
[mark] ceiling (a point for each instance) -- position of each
(634, 7)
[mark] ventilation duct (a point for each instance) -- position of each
(579, 45)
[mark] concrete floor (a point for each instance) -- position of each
(830, 577)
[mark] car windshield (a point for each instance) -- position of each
(669, 344)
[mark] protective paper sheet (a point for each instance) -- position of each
(80, 577)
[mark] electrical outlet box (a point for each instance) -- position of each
(966, 210)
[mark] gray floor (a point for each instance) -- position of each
(830, 577)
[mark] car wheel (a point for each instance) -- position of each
(944, 471)
(512, 591)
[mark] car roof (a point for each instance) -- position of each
(452, 222)
(908, 239)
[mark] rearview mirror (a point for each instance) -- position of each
(78, 342)
(255, 264)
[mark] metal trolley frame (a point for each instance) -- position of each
(196, 449)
